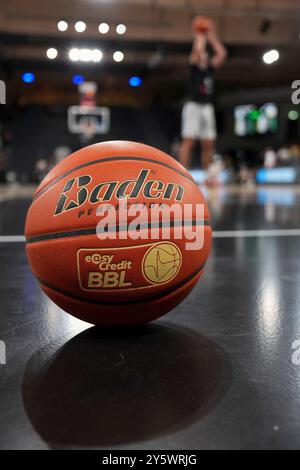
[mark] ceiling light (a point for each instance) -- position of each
(51, 53)
(62, 25)
(80, 26)
(96, 55)
(118, 56)
(103, 28)
(270, 57)
(135, 81)
(78, 79)
(74, 54)
(121, 29)
(28, 77)
(85, 55)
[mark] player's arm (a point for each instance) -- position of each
(198, 49)
(220, 52)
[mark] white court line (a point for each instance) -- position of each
(12, 238)
(256, 233)
(216, 234)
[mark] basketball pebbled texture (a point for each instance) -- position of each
(113, 281)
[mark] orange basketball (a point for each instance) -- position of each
(201, 24)
(128, 271)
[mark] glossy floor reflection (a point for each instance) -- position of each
(217, 372)
(121, 387)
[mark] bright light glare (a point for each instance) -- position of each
(74, 54)
(271, 56)
(80, 26)
(96, 55)
(121, 29)
(51, 53)
(103, 28)
(85, 55)
(118, 56)
(62, 25)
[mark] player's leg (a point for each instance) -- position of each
(189, 132)
(208, 134)
(208, 147)
(186, 147)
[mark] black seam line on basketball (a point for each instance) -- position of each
(124, 228)
(110, 159)
(128, 302)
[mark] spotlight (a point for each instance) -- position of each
(103, 28)
(96, 55)
(121, 29)
(270, 57)
(62, 25)
(28, 77)
(80, 26)
(51, 53)
(74, 54)
(118, 56)
(77, 79)
(135, 81)
(85, 55)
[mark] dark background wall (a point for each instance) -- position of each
(33, 132)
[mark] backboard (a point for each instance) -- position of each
(88, 120)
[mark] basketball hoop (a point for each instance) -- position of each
(87, 119)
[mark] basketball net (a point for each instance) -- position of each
(88, 127)
(87, 119)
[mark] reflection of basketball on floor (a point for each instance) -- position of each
(161, 263)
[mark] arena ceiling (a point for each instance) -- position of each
(158, 34)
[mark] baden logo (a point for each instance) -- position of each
(79, 190)
(2, 92)
(161, 263)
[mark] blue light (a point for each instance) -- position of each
(28, 77)
(276, 175)
(78, 79)
(135, 81)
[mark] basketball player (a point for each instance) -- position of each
(198, 116)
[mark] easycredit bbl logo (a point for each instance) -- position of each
(107, 268)
(2, 92)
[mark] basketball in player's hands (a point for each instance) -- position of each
(142, 269)
(201, 25)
